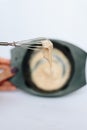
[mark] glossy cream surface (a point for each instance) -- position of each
(45, 79)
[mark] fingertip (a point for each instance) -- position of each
(4, 61)
(14, 70)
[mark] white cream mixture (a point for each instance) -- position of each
(42, 77)
(47, 50)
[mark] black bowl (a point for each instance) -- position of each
(77, 79)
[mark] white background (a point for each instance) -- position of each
(24, 19)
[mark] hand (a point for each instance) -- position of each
(6, 72)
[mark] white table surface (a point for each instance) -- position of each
(24, 19)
